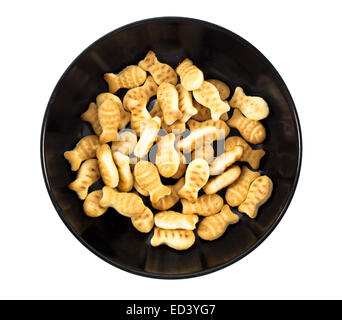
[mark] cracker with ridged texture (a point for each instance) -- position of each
(167, 97)
(254, 108)
(125, 116)
(191, 77)
(143, 222)
(205, 152)
(208, 96)
(222, 88)
(249, 155)
(135, 101)
(126, 180)
(161, 72)
(222, 128)
(156, 111)
(177, 127)
(130, 77)
(167, 157)
(147, 176)
(181, 168)
(225, 160)
(196, 176)
(197, 138)
(259, 192)
(91, 116)
(140, 189)
(127, 204)
(91, 205)
(169, 201)
(251, 130)
(237, 192)
(175, 220)
(126, 144)
(175, 239)
(108, 169)
(87, 175)
(223, 180)
(205, 205)
(215, 226)
(185, 103)
(84, 150)
(203, 113)
(109, 118)
(147, 137)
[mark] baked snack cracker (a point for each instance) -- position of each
(87, 175)
(169, 201)
(126, 144)
(185, 103)
(258, 193)
(147, 137)
(222, 88)
(214, 226)
(140, 189)
(223, 180)
(237, 192)
(251, 130)
(130, 77)
(175, 220)
(147, 176)
(205, 205)
(143, 222)
(125, 116)
(126, 203)
(222, 128)
(196, 176)
(167, 158)
(91, 204)
(176, 239)
(208, 96)
(108, 170)
(197, 138)
(91, 116)
(161, 72)
(135, 100)
(190, 76)
(249, 155)
(203, 113)
(254, 108)
(109, 118)
(177, 127)
(225, 160)
(126, 180)
(181, 168)
(167, 97)
(85, 149)
(205, 152)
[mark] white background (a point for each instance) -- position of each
(40, 258)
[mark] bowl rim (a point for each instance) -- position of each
(268, 231)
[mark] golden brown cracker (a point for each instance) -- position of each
(205, 205)
(237, 192)
(87, 175)
(176, 239)
(259, 192)
(214, 226)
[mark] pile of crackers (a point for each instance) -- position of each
(188, 116)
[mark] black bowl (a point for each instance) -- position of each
(220, 54)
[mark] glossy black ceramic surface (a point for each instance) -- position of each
(220, 54)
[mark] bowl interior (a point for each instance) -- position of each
(221, 55)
